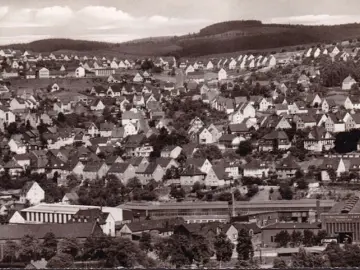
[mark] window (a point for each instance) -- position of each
(272, 239)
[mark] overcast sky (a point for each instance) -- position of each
(122, 20)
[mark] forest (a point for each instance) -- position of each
(255, 36)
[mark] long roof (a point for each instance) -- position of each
(18, 231)
(281, 204)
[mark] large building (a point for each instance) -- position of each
(343, 220)
(64, 213)
(299, 210)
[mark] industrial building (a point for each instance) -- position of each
(198, 212)
(342, 222)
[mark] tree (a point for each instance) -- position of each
(320, 236)
(302, 259)
(223, 248)
(286, 191)
(335, 255)
(177, 193)
(69, 246)
(29, 248)
(309, 238)
(61, 260)
(296, 238)
(209, 152)
(96, 248)
(124, 252)
(282, 238)
(61, 117)
(11, 249)
(351, 255)
(48, 246)
(145, 242)
(244, 248)
(245, 148)
(133, 183)
(201, 249)
(279, 263)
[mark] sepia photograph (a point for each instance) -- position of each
(162, 134)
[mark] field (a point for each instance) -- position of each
(72, 84)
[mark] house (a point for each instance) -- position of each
(319, 139)
(138, 78)
(192, 174)
(17, 104)
(243, 111)
(39, 264)
(204, 136)
(303, 80)
(43, 73)
(348, 82)
(230, 141)
(202, 164)
(337, 165)
(6, 115)
(277, 139)
(97, 105)
(304, 121)
(287, 168)
(123, 171)
(70, 198)
(80, 72)
(335, 123)
(13, 168)
(152, 171)
(222, 74)
(105, 219)
(17, 146)
(232, 231)
(32, 193)
(171, 151)
(158, 227)
(256, 168)
(95, 170)
(216, 177)
(130, 117)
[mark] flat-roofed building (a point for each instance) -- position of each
(300, 210)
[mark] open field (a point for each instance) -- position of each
(72, 84)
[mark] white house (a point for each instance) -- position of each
(79, 72)
(222, 74)
(348, 82)
(32, 192)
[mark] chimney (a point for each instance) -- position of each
(317, 216)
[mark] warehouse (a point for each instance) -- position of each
(343, 221)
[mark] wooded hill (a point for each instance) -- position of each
(224, 37)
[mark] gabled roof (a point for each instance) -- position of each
(276, 134)
(192, 170)
(287, 163)
(119, 167)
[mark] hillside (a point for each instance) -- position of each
(224, 37)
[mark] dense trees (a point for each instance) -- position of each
(209, 152)
(244, 248)
(223, 248)
(48, 246)
(181, 249)
(283, 238)
(347, 141)
(245, 148)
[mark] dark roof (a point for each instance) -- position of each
(159, 224)
(288, 163)
(119, 167)
(67, 230)
(192, 170)
(292, 226)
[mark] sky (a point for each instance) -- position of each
(123, 20)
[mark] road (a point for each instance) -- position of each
(263, 194)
